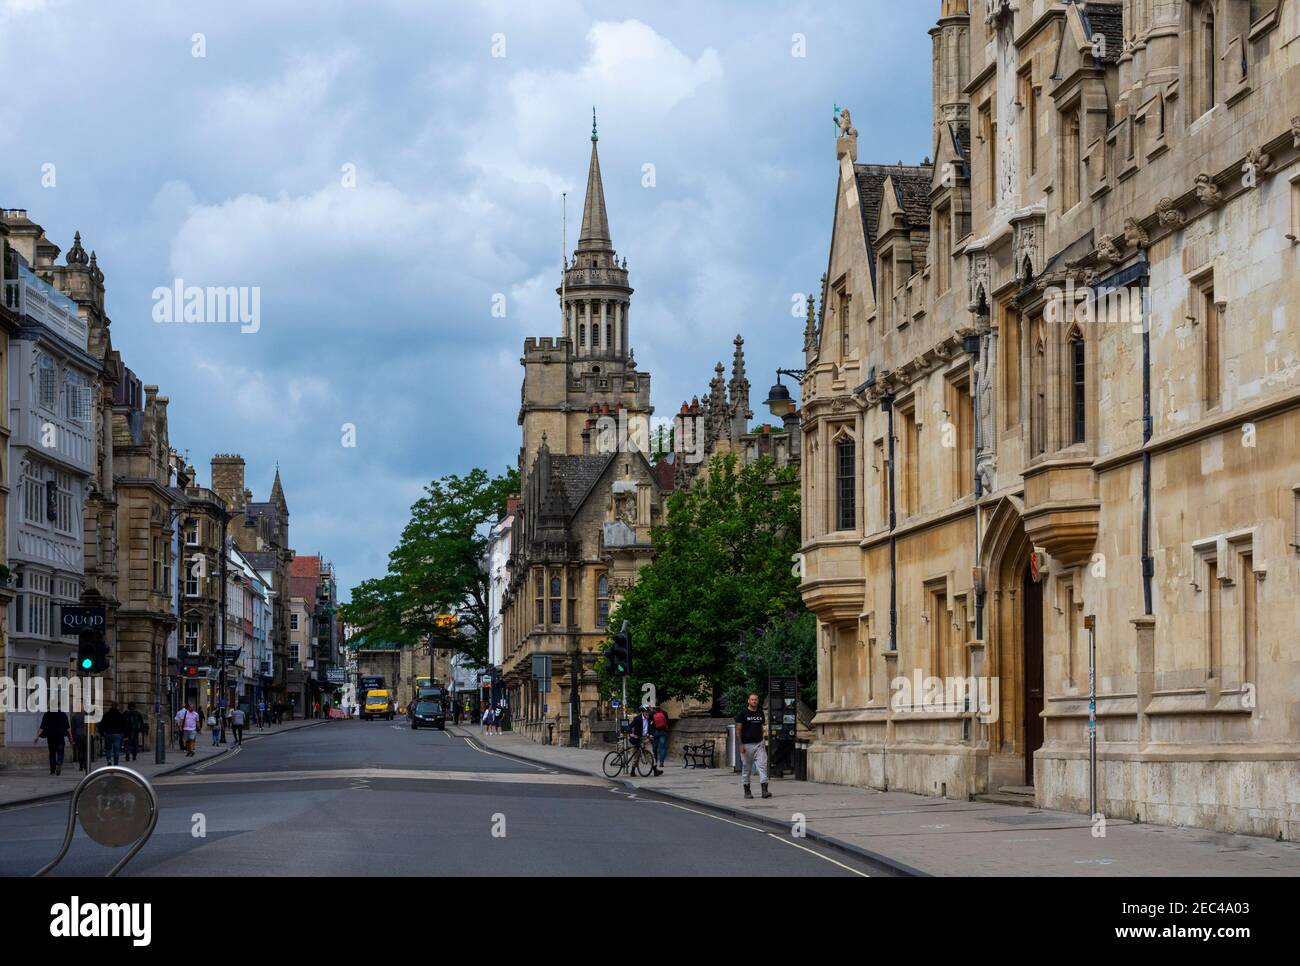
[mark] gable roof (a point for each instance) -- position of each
(1106, 19)
(911, 192)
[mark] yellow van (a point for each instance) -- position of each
(379, 704)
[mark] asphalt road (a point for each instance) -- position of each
(378, 799)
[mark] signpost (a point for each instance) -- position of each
(782, 721)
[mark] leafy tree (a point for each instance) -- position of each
(722, 569)
(786, 646)
(437, 567)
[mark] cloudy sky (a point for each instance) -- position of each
(463, 123)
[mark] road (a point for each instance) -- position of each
(378, 799)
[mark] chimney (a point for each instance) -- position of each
(228, 478)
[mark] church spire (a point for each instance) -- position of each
(595, 222)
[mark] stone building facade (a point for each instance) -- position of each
(53, 381)
(589, 496)
(1053, 396)
(9, 325)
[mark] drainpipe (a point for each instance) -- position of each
(1148, 564)
(972, 345)
(887, 404)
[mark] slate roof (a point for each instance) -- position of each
(577, 475)
(912, 190)
(1106, 19)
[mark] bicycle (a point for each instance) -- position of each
(631, 756)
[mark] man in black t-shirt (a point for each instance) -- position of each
(749, 734)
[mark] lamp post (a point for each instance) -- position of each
(779, 401)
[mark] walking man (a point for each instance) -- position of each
(54, 728)
(113, 727)
(79, 739)
(135, 727)
(749, 724)
(237, 725)
(189, 722)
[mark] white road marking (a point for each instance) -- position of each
(781, 838)
(369, 774)
(709, 815)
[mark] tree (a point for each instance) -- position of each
(786, 646)
(722, 570)
(438, 567)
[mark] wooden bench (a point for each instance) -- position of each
(699, 755)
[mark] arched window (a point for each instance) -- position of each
(1078, 385)
(602, 601)
(555, 598)
(582, 334)
(609, 334)
(595, 335)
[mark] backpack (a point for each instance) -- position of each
(661, 720)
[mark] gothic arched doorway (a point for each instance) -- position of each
(1015, 646)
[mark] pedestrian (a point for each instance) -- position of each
(261, 714)
(112, 727)
(455, 711)
(487, 721)
(237, 725)
(749, 725)
(661, 734)
(135, 727)
(213, 724)
(503, 714)
(190, 723)
(79, 739)
(643, 733)
(54, 728)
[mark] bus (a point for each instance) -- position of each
(368, 682)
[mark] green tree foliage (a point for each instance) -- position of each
(438, 566)
(786, 646)
(723, 568)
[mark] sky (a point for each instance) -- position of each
(379, 174)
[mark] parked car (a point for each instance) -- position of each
(429, 714)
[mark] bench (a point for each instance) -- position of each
(699, 755)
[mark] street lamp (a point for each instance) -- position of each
(778, 401)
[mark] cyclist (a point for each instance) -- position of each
(643, 732)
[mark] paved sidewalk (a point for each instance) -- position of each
(19, 786)
(938, 836)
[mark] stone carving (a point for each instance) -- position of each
(1169, 214)
(1207, 191)
(1108, 250)
(1135, 234)
(1260, 161)
(977, 274)
(1025, 248)
(999, 11)
(1295, 132)
(844, 121)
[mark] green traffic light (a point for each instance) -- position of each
(86, 663)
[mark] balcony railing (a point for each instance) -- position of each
(39, 301)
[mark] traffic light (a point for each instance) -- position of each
(92, 652)
(620, 654)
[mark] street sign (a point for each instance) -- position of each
(614, 703)
(542, 672)
(782, 721)
(80, 620)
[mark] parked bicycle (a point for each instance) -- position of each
(634, 757)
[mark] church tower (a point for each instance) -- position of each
(582, 390)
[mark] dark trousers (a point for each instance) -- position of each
(131, 745)
(56, 753)
(239, 733)
(79, 750)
